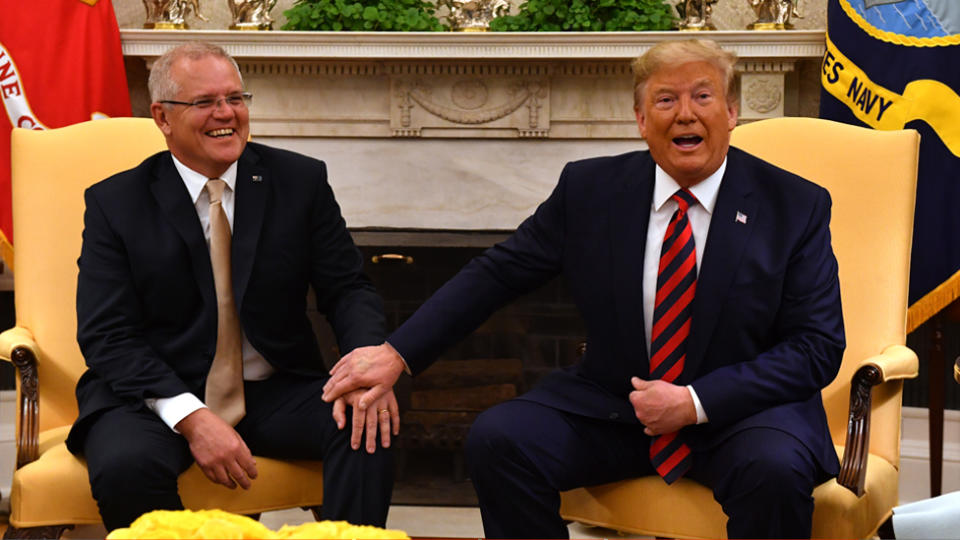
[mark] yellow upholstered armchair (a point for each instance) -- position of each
(50, 490)
(871, 176)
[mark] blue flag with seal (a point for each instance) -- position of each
(895, 64)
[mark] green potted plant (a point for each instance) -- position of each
(363, 15)
(587, 16)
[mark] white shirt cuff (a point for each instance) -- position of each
(174, 409)
(701, 414)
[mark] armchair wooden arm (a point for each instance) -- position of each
(895, 363)
(18, 347)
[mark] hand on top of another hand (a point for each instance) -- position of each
(375, 368)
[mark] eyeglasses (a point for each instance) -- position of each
(236, 101)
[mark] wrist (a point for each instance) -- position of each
(399, 364)
(190, 423)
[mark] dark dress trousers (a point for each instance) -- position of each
(766, 336)
(147, 326)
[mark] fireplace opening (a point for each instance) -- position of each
(507, 355)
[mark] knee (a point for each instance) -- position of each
(777, 475)
(492, 436)
(118, 471)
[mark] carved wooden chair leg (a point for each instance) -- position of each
(52, 531)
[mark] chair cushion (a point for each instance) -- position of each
(686, 509)
(648, 506)
(55, 488)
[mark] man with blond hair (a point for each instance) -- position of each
(191, 312)
(709, 289)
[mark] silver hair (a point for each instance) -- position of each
(161, 84)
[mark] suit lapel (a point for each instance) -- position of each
(249, 207)
(630, 217)
(726, 241)
(174, 201)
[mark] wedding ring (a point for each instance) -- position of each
(383, 411)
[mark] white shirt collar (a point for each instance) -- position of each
(706, 191)
(195, 181)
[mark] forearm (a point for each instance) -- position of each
(782, 375)
(449, 315)
(357, 318)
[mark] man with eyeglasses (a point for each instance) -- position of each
(191, 311)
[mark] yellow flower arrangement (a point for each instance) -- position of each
(219, 524)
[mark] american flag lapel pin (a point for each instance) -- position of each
(741, 217)
(257, 178)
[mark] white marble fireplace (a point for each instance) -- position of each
(464, 131)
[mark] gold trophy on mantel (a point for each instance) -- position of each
(473, 15)
(695, 15)
(251, 14)
(774, 14)
(170, 14)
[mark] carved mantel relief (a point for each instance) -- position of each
(494, 99)
(763, 88)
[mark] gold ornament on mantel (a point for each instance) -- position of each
(695, 15)
(251, 14)
(170, 14)
(774, 14)
(473, 15)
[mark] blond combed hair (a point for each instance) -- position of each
(678, 52)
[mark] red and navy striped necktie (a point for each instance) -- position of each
(676, 283)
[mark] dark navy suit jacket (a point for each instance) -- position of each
(767, 328)
(146, 304)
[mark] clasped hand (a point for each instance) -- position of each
(662, 407)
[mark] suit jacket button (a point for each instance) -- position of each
(614, 416)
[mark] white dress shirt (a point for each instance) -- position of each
(255, 367)
(661, 210)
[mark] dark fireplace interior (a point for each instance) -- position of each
(505, 356)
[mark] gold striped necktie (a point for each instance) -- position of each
(224, 392)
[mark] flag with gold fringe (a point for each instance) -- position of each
(895, 64)
(60, 63)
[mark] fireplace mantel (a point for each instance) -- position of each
(454, 131)
(283, 45)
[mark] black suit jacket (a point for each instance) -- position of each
(767, 328)
(146, 305)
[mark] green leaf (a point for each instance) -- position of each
(370, 13)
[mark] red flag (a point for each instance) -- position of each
(60, 64)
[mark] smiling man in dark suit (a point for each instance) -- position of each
(709, 290)
(158, 307)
